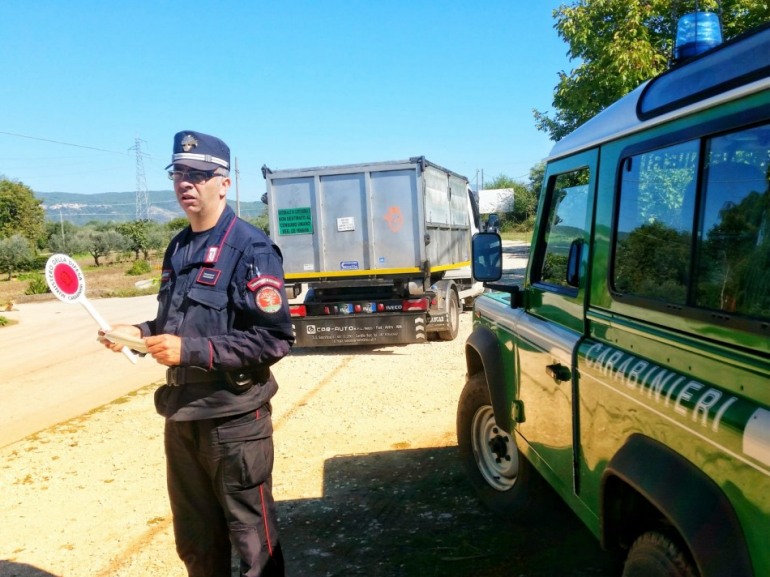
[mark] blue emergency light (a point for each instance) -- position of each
(696, 32)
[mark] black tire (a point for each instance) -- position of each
(654, 554)
(502, 478)
(453, 318)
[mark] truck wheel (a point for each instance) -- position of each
(503, 479)
(453, 317)
(654, 554)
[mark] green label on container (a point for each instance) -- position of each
(295, 221)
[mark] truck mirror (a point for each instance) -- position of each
(493, 224)
(487, 256)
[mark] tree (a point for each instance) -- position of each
(137, 234)
(621, 43)
(100, 243)
(15, 252)
(20, 212)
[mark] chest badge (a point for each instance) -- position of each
(208, 276)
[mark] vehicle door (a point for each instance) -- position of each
(553, 321)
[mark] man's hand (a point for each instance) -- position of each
(128, 330)
(166, 349)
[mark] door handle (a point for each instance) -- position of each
(558, 372)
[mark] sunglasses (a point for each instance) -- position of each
(192, 176)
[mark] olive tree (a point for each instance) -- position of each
(15, 252)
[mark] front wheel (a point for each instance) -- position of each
(503, 479)
(654, 554)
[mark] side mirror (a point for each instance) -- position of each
(493, 224)
(487, 256)
(573, 262)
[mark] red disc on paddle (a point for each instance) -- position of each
(66, 278)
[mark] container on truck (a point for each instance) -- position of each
(375, 253)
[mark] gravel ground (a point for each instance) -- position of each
(366, 475)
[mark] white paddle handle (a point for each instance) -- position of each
(104, 325)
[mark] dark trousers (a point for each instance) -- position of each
(219, 484)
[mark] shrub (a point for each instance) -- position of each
(139, 267)
(37, 285)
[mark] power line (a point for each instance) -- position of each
(62, 143)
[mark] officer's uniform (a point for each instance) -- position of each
(222, 292)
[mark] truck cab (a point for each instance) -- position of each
(631, 371)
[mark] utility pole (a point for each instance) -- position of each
(142, 200)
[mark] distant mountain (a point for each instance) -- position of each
(80, 209)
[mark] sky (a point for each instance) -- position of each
(287, 84)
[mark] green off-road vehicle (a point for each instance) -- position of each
(631, 371)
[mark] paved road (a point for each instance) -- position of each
(53, 368)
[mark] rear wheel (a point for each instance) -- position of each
(655, 554)
(453, 318)
(503, 479)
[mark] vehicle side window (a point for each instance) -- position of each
(658, 230)
(655, 216)
(567, 207)
(733, 249)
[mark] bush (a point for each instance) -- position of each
(139, 267)
(37, 285)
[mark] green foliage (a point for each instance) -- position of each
(139, 267)
(15, 254)
(177, 224)
(653, 261)
(261, 221)
(621, 43)
(99, 243)
(524, 202)
(20, 212)
(37, 285)
(3, 321)
(137, 236)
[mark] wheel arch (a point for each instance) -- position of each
(483, 354)
(646, 476)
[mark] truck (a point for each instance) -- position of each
(374, 253)
(630, 371)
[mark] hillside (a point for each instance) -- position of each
(121, 206)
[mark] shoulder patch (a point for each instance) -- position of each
(262, 281)
(268, 299)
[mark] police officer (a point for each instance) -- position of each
(222, 321)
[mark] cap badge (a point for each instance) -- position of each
(188, 143)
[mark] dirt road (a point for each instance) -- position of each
(366, 473)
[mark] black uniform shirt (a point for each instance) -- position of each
(225, 298)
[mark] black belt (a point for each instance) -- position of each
(178, 376)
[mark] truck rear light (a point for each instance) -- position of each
(298, 310)
(415, 305)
